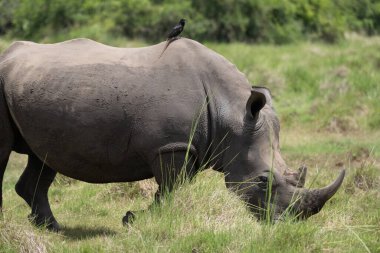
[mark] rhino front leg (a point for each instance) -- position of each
(169, 169)
(172, 168)
(33, 187)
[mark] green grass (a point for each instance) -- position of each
(327, 97)
(326, 87)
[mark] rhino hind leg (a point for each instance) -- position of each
(5, 151)
(6, 139)
(3, 165)
(169, 170)
(33, 187)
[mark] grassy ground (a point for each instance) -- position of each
(327, 97)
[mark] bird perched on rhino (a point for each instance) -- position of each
(173, 35)
(177, 29)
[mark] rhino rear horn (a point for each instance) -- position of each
(302, 171)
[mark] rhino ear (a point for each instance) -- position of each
(255, 103)
(266, 92)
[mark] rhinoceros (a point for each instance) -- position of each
(104, 114)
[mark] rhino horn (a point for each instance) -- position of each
(302, 171)
(296, 178)
(312, 201)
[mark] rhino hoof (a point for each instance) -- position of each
(50, 224)
(128, 218)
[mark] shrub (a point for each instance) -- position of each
(275, 21)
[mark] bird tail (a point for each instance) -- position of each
(168, 42)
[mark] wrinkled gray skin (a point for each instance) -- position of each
(102, 114)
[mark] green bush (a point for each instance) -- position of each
(272, 21)
(32, 17)
(275, 21)
(6, 17)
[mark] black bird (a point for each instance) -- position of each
(177, 29)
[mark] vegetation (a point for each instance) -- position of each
(275, 21)
(327, 87)
(327, 100)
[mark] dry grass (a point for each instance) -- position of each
(23, 239)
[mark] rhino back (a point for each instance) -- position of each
(87, 108)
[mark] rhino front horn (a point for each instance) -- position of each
(312, 201)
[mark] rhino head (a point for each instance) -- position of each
(257, 172)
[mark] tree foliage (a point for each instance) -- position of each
(276, 21)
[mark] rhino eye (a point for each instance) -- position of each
(262, 181)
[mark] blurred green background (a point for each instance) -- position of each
(274, 21)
